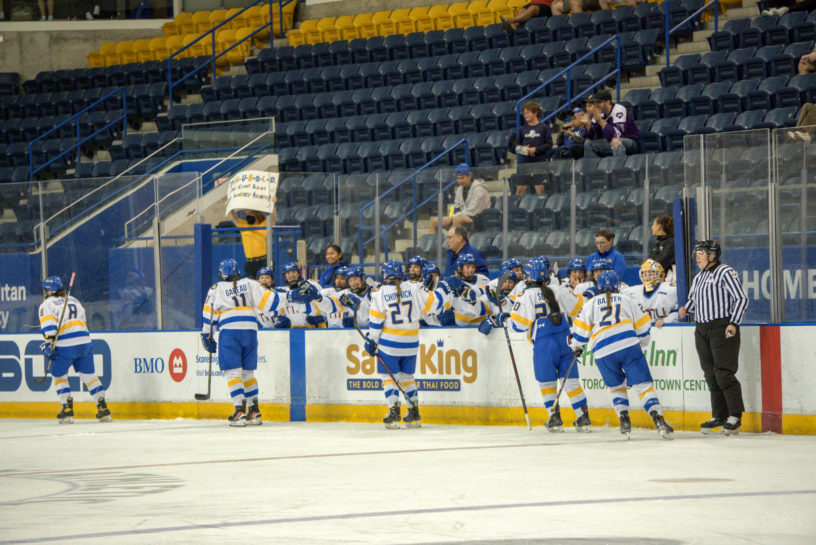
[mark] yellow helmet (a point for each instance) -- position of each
(652, 274)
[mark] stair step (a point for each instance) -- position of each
(645, 81)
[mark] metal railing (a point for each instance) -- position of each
(213, 56)
(78, 145)
(670, 31)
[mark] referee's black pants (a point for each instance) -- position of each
(718, 358)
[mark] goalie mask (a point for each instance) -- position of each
(466, 267)
(651, 274)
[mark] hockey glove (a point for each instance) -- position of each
(283, 323)
(48, 352)
(486, 326)
(304, 293)
(447, 318)
(468, 296)
(455, 284)
(493, 296)
(209, 344)
(348, 321)
(370, 346)
(590, 293)
(349, 300)
(577, 350)
(429, 281)
(315, 320)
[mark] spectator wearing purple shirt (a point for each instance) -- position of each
(613, 130)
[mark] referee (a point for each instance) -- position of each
(719, 302)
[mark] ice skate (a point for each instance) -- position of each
(392, 419)
(411, 417)
(625, 423)
(102, 411)
(583, 424)
(732, 425)
(238, 418)
(663, 427)
(253, 417)
(555, 424)
(709, 426)
(66, 415)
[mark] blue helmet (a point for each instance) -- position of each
(465, 259)
(291, 266)
(53, 284)
(430, 268)
(354, 270)
(543, 259)
(576, 264)
(536, 270)
(509, 264)
(392, 270)
(601, 265)
(608, 281)
(264, 271)
(228, 269)
(341, 271)
(418, 260)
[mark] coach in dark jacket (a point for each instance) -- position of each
(718, 301)
(457, 245)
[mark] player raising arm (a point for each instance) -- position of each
(616, 330)
(656, 298)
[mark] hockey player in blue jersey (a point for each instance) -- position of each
(542, 311)
(72, 349)
(231, 309)
(616, 330)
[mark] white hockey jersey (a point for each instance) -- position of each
(394, 319)
(297, 312)
(73, 331)
(531, 305)
(239, 306)
(335, 316)
(362, 309)
(466, 313)
(268, 319)
(608, 329)
(661, 304)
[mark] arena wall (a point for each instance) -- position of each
(464, 378)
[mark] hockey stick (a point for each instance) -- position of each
(204, 397)
(564, 383)
(502, 279)
(40, 380)
(379, 358)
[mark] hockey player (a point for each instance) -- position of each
(231, 307)
(359, 288)
(576, 274)
(393, 336)
(589, 288)
(656, 298)
(541, 310)
(431, 276)
(338, 316)
(72, 349)
(266, 278)
(311, 314)
(467, 310)
(616, 329)
(414, 266)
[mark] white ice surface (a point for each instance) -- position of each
(186, 481)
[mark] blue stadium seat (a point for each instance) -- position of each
(444, 93)
(390, 73)
(338, 131)
(418, 120)
(582, 24)
(674, 75)
(786, 63)
(522, 36)
(439, 118)
(560, 27)
(399, 126)
(365, 103)
(341, 52)
(409, 71)
(313, 77)
(703, 71)
(385, 100)
(497, 38)
(333, 78)
(802, 31)
(728, 38)
(396, 46)
(635, 99)
(323, 55)
(484, 117)
(605, 22)
(721, 122)
(781, 117)
(487, 87)
(668, 102)
(357, 127)
(411, 148)
(465, 91)
(705, 102)
(505, 112)
(476, 39)
(303, 56)
(286, 107)
(463, 120)
(540, 33)
(780, 33)
(753, 36)
(435, 42)
(430, 69)
(455, 40)
(267, 107)
(806, 85)
(577, 47)
(296, 133)
(377, 126)
(505, 88)
(557, 55)
(749, 119)
(404, 99)
(666, 129)
(422, 97)
(377, 51)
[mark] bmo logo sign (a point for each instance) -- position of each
(178, 365)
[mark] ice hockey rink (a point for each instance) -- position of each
(189, 481)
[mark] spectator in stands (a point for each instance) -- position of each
(334, 259)
(42, 5)
(781, 7)
(536, 8)
(613, 130)
(663, 249)
(458, 244)
(533, 143)
(470, 199)
(571, 139)
(604, 238)
(807, 63)
(807, 118)
(254, 241)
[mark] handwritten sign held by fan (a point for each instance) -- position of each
(252, 190)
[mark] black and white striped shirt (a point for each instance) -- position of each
(717, 293)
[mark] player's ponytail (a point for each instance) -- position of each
(396, 283)
(235, 285)
(549, 296)
(609, 298)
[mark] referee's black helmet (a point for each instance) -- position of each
(708, 246)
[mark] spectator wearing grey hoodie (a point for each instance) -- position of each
(470, 199)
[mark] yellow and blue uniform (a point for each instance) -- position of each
(73, 348)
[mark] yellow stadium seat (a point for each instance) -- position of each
(385, 26)
(296, 37)
(288, 18)
(126, 52)
(516, 5)
(109, 54)
(328, 29)
(239, 53)
(198, 49)
(142, 50)
(173, 44)
(170, 28)
(462, 18)
(482, 15)
(158, 46)
(252, 17)
(223, 39)
(216, 16)
(345, 26)
(422, 21)
(184, 22)
(501, 9)
(402, 19)
(95, 60)
(365, 26)
(201, 20)
(235, 23)
(439, 14)
(310, 31)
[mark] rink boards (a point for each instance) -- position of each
(463, 377)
